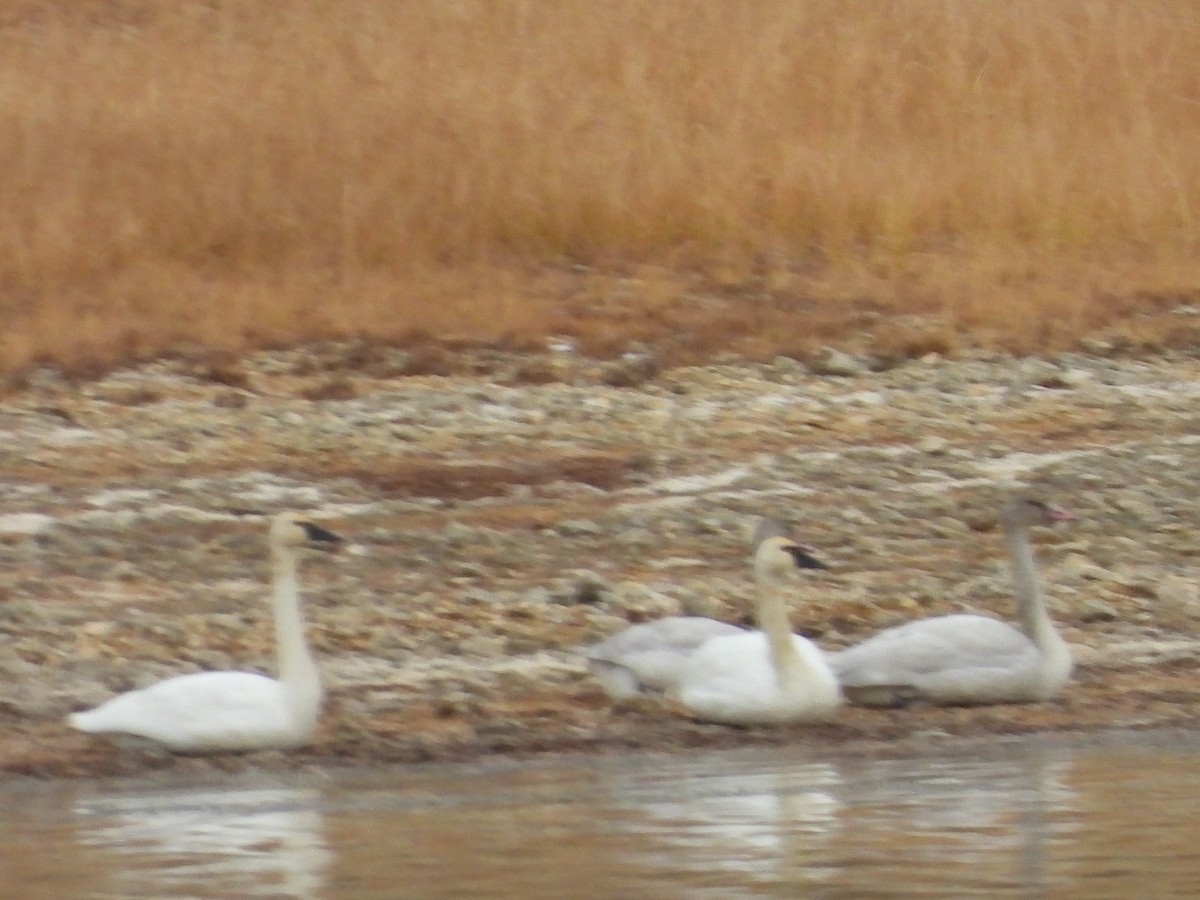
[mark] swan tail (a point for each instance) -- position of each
(88, 721)
(78, 721)
(107, 717)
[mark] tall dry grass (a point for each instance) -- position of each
(245, 172)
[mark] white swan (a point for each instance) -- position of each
(967, 659)
(210, 712)
(766, 677)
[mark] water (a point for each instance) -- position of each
(1113, 818)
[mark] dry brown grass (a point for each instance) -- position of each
(755, 177)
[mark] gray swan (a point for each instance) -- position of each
(648, 657)
(968, 659)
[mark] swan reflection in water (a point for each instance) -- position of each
(982, 824)
(753, 825)
(255, 842)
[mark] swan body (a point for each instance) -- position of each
(649, 656)
(731, 680)
(210, 712)
(767, 677)
(204, 712)
(968, 659)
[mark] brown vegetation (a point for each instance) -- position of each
(708, 176)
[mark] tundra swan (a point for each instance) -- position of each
(649, 656)
(210, 712)
(767, 677)
(964, 658)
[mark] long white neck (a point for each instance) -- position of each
(297, 670)
(773, 620)
(1031, 607)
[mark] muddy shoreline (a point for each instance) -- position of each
(507, 510)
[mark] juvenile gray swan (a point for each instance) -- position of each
(767, 677)
(968, 659)
(649, 656)
(212, 712)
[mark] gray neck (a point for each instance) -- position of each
(1031, 607)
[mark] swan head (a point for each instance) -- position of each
(779, 554)
(292, 530)
(765, 529)
(1025, 512)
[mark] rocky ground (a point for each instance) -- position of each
(504, 510)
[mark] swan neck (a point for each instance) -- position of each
(1031, 606)
(773, 620)
(297, 670)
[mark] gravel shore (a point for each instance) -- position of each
(502, 511)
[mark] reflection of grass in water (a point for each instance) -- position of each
(759, 177)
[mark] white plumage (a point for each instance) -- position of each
(766, 677)
(207, 712)
(733, 680)
(204, 712)
(965, 659)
